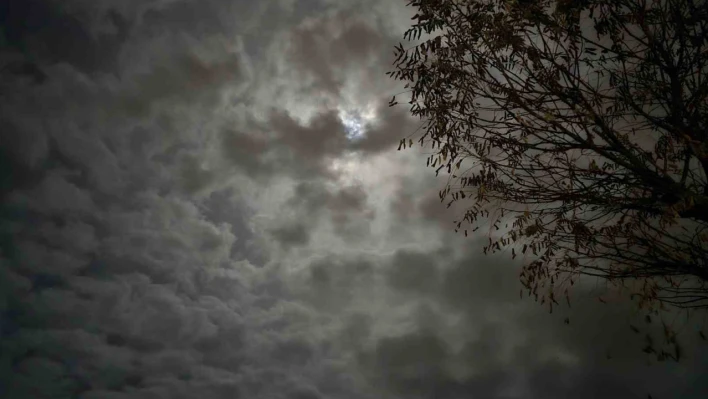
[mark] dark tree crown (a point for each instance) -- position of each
(579, 129)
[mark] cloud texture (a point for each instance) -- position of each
(186, 215)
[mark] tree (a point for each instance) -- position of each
(578, 129)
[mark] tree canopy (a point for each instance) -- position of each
(578, 130)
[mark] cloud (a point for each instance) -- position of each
(314, 209)
(334, 282)
(385, 133)
(477, 339)
(183, 215)
(414, 271)
(329, 47)
(52, 34)
(412, 363)
(247, 152)
(296, 234)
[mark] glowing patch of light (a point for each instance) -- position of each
(355, 121)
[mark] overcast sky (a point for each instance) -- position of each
(203, 199)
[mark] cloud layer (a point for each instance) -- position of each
(184, 215)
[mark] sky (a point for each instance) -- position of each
(203, 199)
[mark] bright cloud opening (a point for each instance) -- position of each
(355, 121)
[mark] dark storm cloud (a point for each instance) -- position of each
(291, 235)
(313, 196)
(385, 134)
(116, 280)
(305, 393)
(223, 206)
(414, 271)
(346, 207)
(18, 162)
(323, 137)
(199, 18)
(355, 331)
(25, 69)
(285, 146)
(506, 347)
(185, 75)
(137, 163)
(337, 278)
(329, 46)
(330, 50)
(412, 363)
(247, 152)
(48, 33)
(303, 150)
(326, 50)
(107, 328)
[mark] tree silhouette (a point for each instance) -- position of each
(578, 130)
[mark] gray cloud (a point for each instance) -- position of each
(333, 45)
(247, 152)
(414, 271)
(50, 33)
(296, 234)
(345, 208)
(504, 347)
(183, 215)
(386, 133)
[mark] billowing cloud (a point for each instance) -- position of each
(186, 213)
(50, 33)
